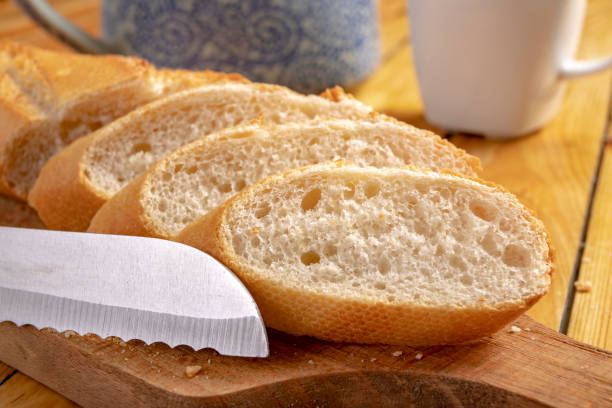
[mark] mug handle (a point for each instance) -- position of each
(573, 68)
(43, 14)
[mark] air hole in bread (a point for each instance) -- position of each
(483, 210)
(380, 285)
(141, 148)
(457, 263)
(349, 191)
(420, 228)
(255, 241)
(505, 225)
(425, 272)
(466, 279)
(310, 257)
(162, 204)
(192, 169)
(517, 256)
(262, 211)
(225, 188)
(445, 193)
(166, 176)
(313, 141)
(330, 250)
(311, 199)
(384, 266)
(371, 189)
(240, 184)
(177, 168)
(489, 243)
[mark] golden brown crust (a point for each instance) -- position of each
(44, 90)
(74, 194)
(327, 317)
(136, 219)
(204, 234)
(123, 214)
(61, 195)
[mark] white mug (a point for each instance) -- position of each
(496, 67)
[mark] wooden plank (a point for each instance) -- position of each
(23, 392)
(393, 26)
(591, 318)
(16, 26)
(5, 371)
(532, 367)
(551, 170)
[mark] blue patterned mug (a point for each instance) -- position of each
(306, 45)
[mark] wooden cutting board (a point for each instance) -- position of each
(535, 367)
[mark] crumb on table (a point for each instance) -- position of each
(191, 371)
(583, 286)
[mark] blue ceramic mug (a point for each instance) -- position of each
(307, 45)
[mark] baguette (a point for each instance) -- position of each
(74, 184)
(396, 255)
(200, 176)
(49, 99)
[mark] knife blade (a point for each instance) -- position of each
(129, 287)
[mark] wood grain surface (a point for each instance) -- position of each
(551, 171)
(591, 318)
(534, 367)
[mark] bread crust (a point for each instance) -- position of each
(51, 83)
(123, 213)
(42, 91)
(305, 312)
(65, 170)
(136, 218)
(114, 130)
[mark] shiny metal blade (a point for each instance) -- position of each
(130, 287)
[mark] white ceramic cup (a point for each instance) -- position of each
(496, 67)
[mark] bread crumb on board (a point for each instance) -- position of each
(514, 329)
(583, 286)
(397, 353)
(419, 356)
(192, 371)
(69, 333)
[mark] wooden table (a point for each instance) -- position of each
(563, 172)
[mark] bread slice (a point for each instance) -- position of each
(74, 184)
(368, 255)
(202, 175)
(48, 99)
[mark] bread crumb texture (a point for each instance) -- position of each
(203, 175)
(134, 143)
(397, 256)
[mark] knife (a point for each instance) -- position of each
(129, 287)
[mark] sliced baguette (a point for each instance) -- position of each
(48, 99)
(397, 256)
(74, 184)
(202, 175)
